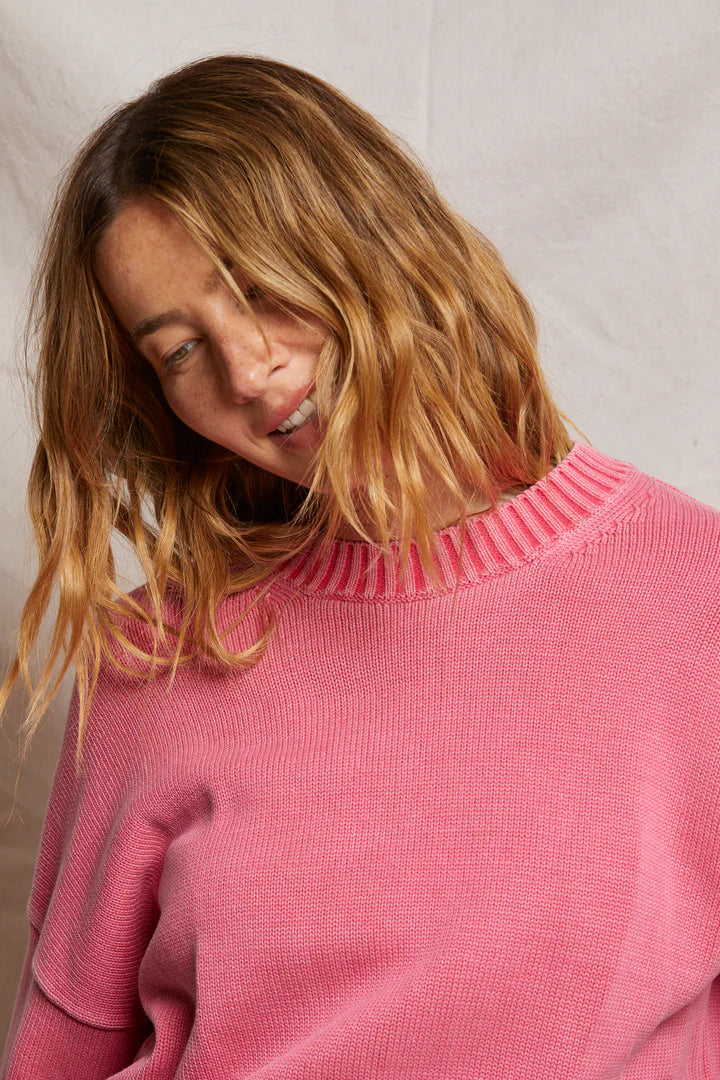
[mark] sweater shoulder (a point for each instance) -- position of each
(685, 529)
(659, 549)
(655, 525)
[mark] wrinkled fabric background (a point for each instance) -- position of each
(581, 138)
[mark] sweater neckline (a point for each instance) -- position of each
(518, 531)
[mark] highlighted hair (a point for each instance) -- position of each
(429, 369)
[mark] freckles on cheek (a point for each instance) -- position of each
(184, 411)
(197, 413)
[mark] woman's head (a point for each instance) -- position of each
(304, 247)
(228, 379)
(256, 175)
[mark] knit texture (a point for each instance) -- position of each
(425, 837)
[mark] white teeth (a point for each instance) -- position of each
(302, 414)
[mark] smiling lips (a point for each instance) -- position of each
(305, 410)
(281, 415)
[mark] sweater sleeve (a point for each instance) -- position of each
(46, 1043)
(92, 907)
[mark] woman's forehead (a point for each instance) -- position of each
(141, 228)
(145, 255)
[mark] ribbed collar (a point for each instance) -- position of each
(518, 531)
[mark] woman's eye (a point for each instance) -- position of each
(176, 358)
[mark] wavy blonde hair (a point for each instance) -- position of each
(430, 365)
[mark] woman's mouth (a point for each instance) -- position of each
(301, 429)
(300, 416)
(305, 435)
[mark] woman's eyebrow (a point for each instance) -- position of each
(148, 326)
(155, 322)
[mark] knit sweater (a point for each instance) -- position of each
(423, 837)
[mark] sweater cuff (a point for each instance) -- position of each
(46, 1043)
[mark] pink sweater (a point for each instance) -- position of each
(402, 846)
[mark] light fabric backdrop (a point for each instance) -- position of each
(581, 138)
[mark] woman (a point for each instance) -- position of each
(387, 769)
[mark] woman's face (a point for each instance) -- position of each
(211, 362)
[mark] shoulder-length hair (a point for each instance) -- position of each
(430, 366)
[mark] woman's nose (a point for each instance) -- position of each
(245, 361)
